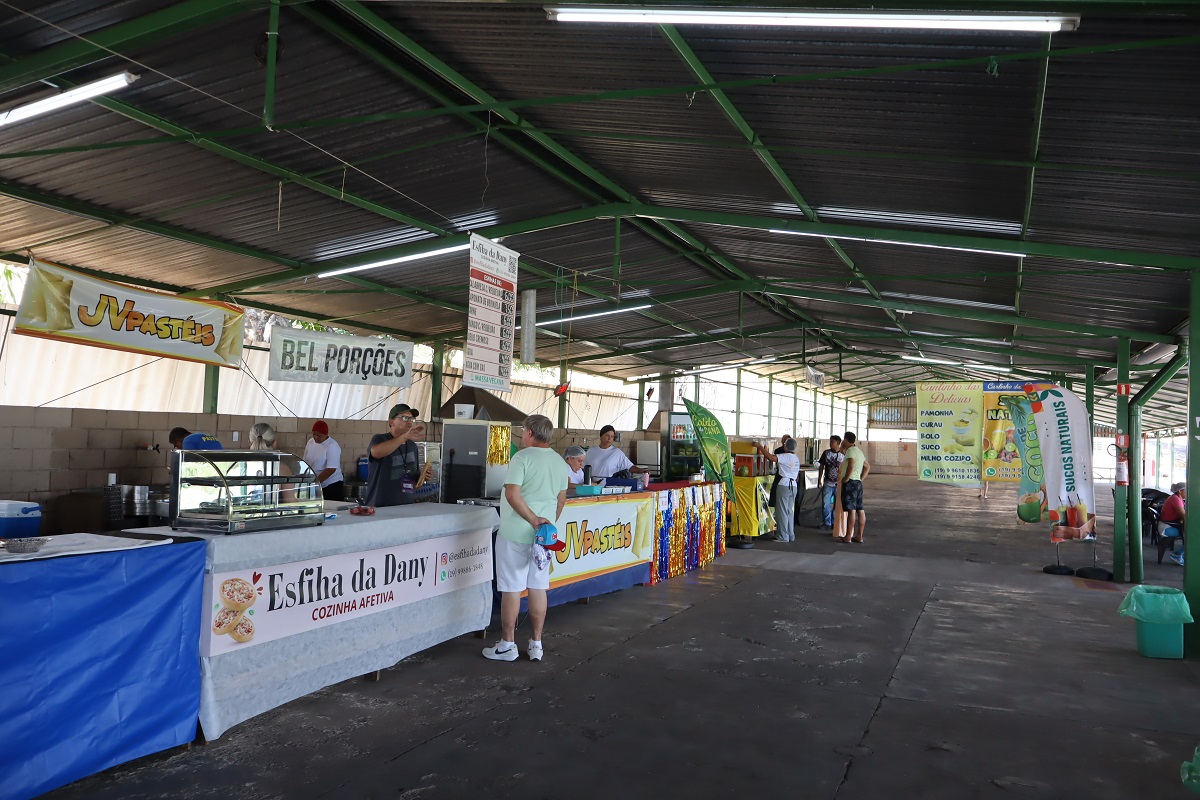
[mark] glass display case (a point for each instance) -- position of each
(235, 491)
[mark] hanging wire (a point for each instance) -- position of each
(97, 383)
(270, 397)
(346, 164)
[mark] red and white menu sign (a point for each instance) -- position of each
(492, 314)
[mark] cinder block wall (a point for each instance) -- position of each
(51, 451)
(893, 458)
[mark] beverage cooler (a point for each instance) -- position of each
(474, 458)
(681, 448)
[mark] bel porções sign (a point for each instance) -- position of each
(315, 357)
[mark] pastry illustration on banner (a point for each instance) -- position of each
(232, 615)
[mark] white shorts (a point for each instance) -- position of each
(515, 570)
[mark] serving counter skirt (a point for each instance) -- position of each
(100, 663)
(293, 650)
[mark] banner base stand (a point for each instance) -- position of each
(740, 543)
(1094, 573)
(1058, 569)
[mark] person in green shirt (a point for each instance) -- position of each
(535, 491)
(854, 469)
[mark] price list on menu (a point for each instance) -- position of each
(491, 320)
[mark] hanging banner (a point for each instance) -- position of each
(714, 446)
(1000, 454)
(949, 432)
(491, 316)
(1064, 437)
(69, 306)
(602, 535)
(318, 357)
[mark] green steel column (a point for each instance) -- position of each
(770, 400)
(1191, 570)
(212, 383)
(435, 379)
(1158, 457)
(1136, 567)
(1121, 493)
(641, 404)
(696, 388)
(814, 394)
(796, 409)
(562, 398)
(1090, 397)
(737, 409)
(272, 60)
(832, 422)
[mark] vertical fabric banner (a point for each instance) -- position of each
(1057, 440)
(714, 446)
(1031, 497)
(949, 432)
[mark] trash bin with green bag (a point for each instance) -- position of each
(1189, 772)
(1160, 612)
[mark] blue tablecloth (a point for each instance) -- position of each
(100, 662)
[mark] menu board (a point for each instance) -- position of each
(949, 428)
(491, 316)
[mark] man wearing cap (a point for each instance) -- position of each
(395, 462)
(324, 455)
(535, 491)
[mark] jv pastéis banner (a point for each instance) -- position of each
(317, 357)
(251, 606)
(69, 306)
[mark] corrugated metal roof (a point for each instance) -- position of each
(881, 131)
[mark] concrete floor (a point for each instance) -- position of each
(934, 661)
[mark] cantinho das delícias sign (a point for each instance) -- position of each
(247, 607)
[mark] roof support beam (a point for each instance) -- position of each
(1034, 153)
(77, 52)
(700, 253)
(684, 51)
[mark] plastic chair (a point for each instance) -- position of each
(1168, 534)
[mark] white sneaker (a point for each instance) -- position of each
(535, 651)
(495, 654)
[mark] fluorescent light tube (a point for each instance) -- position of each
(593, 316)
(1013, 254)
(388, 262)
(987, 367)
(1022, 23)
(924, 360)
(69, 97)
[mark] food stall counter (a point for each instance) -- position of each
(290, 611)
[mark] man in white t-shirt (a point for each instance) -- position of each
(607, 460)
(785, 495)
(535, 491)
(324, 455)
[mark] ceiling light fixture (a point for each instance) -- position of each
(925, 360)
(986, 367)
(390, 261)
(869, 240)
(1021, 23)
(923, 298)
(565, 320)
(999, 227)
(77, 95)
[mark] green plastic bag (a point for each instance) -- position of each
(1189, 772)
(1160, 605)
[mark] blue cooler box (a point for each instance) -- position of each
(19, 519)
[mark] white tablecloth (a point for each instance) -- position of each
(239, 685)
(77, 544)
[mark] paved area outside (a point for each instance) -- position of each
(934, 661)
